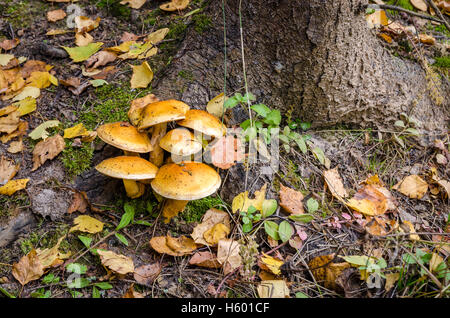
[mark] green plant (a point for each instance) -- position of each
(249, 217)
(405, 129)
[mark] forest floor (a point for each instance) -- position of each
(406, 246)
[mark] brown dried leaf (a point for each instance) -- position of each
(56, 15)
(135, 4)
(10, 123)
(173, 246)
(84, 24)
(412, 186)
(83, 39)
(28, 268)
(9, 44)
(8, 169)
(119, 264)
(79, 203)
(290, 200)
(21, 130)
(127, 36)
(273, 289)
(205, 259)
(174, 5)
(100, 59)
(335, 184)
(16, 146)
(216, 233)
(146, 274)
(47, 149)
(368, 201)
(326, 272)
(210, 219)
(228, 255)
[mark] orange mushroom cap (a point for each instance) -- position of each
(124, 136)
(161, 112)
(203, 122)
(127, 167)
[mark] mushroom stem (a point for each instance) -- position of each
(131, 153)
(172, 208)
(157, 155)
(133, 189)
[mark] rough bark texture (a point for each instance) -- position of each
(316, 58)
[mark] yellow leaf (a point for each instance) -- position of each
(368, 201)
(85, 223)
(242, 202)
(377, 19)
(273, 289)
(412, 186)
(335, 184)
(41, 79)
(5, 58)
(435, 260)
(26, 106)
(157, 36)
(28, 91)
(391, 279)
(75, 131)
(13, 186)
(272, 263)
(216, 233)
(117, 263)
(174, 5)
(179, 246)
(210, 219)
(142, 75)
(56, 32)
(135, 4)
(215, 105)
(82, 53)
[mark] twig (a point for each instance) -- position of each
(420, 15)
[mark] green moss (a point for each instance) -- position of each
(111, 105)
(77, 160)
(114, 8)
(443, 62)
(21, 14)
(201, 23)
(405, 4)
(27, 244)
(196, 209)
(152, 17)
(9, 204)
(176, 30)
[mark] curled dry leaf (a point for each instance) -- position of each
(135, 4)
(83, 39)
(119, 264)
(100, 59)
(368, 201)
(8, 169)
(412, 186)
(56, 15)
(325, 271)
(211, 218)
(84, 24)
(79, 203)
(335, 184)
(408, 227)
(378, 185)
(273, 289)
(226, 152)
(16, 146)
(9, 44)
(379, 226)
(216, 233)
(137, 105)
(173, 246)
(290, 200)
(419, 4)
(174, 5)
(47, 149)
(86, 223)
(10, 123)
(271, 264)
(12, 186)
(228, 255)
(205, 259)
(146, 274)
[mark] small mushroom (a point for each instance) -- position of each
(157, 115)
(124, 136)
(203, 122)
(129, 169)
(181, 143)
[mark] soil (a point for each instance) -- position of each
(39, 219)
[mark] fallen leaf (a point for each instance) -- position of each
(79, 203)
(8, 169)
(29, 91)
(88, 224)
(335, 184)
(135, 4)
(16, 146)
(83, 39)
(375, 182)
(218, 232)
(290, 200)
(142, 75)
(174, 5)
(75, 131)
(228, 255)
(127, 36)
(56, 32)
(157, 36)
(173, 246)
(10, 123)
(379, 226)
(325, 271)
(408, 227)
(84, 24)
(41, 130)
(368, 201)
(5, 59)
(20, 131)
(272, 264)
(377, 19)
(13, 186)
(47, 150)
(242, 202)
(435, 261)
(226, 152)
(412, 186)
(273, 289)
(9, 44)
(419, 4)
(100, 59)
(26, 106)
(50, 257)
(215, 105)
(56, 15)
(172, 208)
(28, 268)
(82, 53)
(427, 39)
(119, 264)
(210, 219)
(41, 79)
(146, 274)
(205, 259)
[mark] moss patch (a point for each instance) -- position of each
(442, 62)
(21, 14)
(196, 209)
(114, 8)
(77, 160)
(201, 23)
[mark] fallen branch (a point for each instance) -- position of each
(439, 13)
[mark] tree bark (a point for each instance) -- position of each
(314, 58)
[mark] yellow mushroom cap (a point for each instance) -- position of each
(161, 112)
(127, 167)
(124, 136)
(181, 142)
(204, 122)
(186, 181)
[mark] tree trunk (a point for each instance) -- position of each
(316, 58)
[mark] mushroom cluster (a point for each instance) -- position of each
(182, 180)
